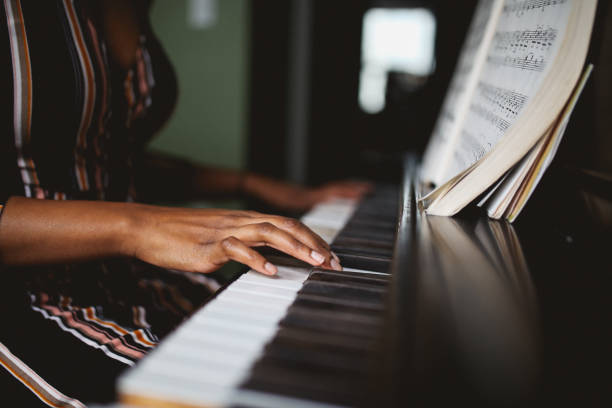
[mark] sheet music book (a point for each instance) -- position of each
(516, 82)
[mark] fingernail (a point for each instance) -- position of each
(336, 257)
(270, 268)
(335, 265)
(317, 256)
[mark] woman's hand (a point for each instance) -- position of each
(204, 240)
(295, 197)
(186, 181)
(46, 231)
(339, 189)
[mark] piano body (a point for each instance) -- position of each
(428, 311)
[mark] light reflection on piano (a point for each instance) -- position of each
(485, 300)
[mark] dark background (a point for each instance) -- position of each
(343, 141)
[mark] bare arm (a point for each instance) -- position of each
(46, 231)
(164, 178)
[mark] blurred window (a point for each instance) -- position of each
(394, 40)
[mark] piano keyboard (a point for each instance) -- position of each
(305, 337)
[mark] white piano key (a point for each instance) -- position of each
(270, 281)
(220, 324)
(257, 399)
(244, 316)
(247, 302)
(284, 273)
(226, 310)
(198, 342)
(195, 360)
(327, 233)
(255, 298)
(332, 214)
(207, 357)
(199, 335)
(237, 304)
(264, 290)
(218, 362)
(291, 273)
(204, 326)
(189, 391)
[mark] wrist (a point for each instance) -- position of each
(254, 185)
(241, 182)
(128, 226)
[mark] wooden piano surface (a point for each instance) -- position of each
(491, 314)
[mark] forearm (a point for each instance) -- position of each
(165, 178)
(276, 192)
(46, 231)
(160, 177)
(35, 232)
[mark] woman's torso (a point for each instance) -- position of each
(75, 114)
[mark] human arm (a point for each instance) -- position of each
(45, 231)
(161, 177)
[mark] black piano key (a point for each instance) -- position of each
(374, 222)
(326, 302)
(279, 258)
(337, 305)
(339, 291)
(366, 242)
(363, 250)
(354, 326)
(350, 317)
(313, 359)
(318, 384)
(383, 236)
(354, 278)
(330, 336)
(374, 225)
(365, 263)
(364, 274)
(302, 338)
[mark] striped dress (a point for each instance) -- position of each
(73, 125)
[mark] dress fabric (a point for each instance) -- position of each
(73, 125)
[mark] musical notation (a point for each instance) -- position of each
(520, 7)
(490, 116)
(504, 101)
(528, 62)
(539, 39)
(471, 150)
(524, 49)
(514, 53)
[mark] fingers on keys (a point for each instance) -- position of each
(234, 249)
(300, 243)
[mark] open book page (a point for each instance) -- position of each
(501, 199)
(525, 43)
(548, 152)
(465, 78)
(533, 64)
(511, 195)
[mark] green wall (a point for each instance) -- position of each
(209, 123)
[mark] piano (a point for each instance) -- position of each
(428, 311)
